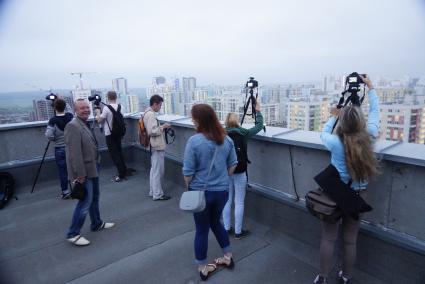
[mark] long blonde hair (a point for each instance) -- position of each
(231, 120)
(359, 156)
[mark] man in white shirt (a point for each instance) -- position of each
(113, 143)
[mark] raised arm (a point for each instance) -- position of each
(329, 139)
(373, 116)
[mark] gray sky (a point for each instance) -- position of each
(221, 41)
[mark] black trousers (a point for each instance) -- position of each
(115, 150)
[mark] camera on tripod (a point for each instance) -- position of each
(251, 84)
(51, 97)
(96, 99)
(353, 84)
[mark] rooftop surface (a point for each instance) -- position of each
(152, 241)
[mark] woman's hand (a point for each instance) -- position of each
(335, 111)
(367, 81)
(257, 106)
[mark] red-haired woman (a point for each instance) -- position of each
(209, 160)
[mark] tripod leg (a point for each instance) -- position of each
(245, 109)
(39, 168)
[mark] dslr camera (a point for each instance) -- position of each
(353, 84)
(51, 97)
(96, 99)
(251, 84)
(354, 80)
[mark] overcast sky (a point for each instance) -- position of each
(221, 41)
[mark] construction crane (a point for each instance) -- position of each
(80, 74)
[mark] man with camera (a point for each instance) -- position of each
(82, 159)
(55, 132)
(157, 143)
(112, 141)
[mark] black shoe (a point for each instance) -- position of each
(230, 231)
(342, 279)
(243, 234)
(164, 197)
(117, 179)
(320, 280)
(66, 195)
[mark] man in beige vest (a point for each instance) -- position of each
(157, 143)
(82, 160)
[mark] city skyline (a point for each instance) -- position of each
(43, 42)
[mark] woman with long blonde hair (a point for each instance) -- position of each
(352, 155)
(238, 181)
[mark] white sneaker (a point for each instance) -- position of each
(79, 241)
(107, 225)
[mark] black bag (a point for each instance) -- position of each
(78, 191)
(321, 206)
(7, 188)
(241, 149)
(350, 202)
(118, 125)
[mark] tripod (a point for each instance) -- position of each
(250, 100)
(39, 168)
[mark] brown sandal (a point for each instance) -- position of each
(225, 261)
(205, 272)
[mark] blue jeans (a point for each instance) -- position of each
(89, 204)
(60, 158)
(237, 187)
(210, 218)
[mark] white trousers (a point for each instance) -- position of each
(156, 174)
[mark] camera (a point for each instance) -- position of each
(353, 84)
(252, 84)
(95, 98)
(170, 135)
(354, 80)
(51, 97)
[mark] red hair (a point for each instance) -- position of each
(208, 123)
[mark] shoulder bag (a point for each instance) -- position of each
(194, 200)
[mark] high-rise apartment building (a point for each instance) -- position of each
(188, 84)
(43, 109)
(119, 85)
(132, 103)
(307, 115)
(403, 122)
(160, 80)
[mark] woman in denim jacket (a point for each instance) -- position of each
(352, 155)
(200, 148)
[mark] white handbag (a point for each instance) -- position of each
(194, 200)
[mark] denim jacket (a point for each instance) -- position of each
(197, 160)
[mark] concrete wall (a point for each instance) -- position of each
(282, 161)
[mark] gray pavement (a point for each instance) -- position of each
(152, 242)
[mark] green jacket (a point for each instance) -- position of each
(248, 133)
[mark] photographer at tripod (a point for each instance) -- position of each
(238, 181)
(113, 141)
(353, 158)
(55, 132)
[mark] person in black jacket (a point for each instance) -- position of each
(55, 132)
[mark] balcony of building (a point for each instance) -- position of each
(153, 241)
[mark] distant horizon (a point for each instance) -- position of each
(33, 89)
